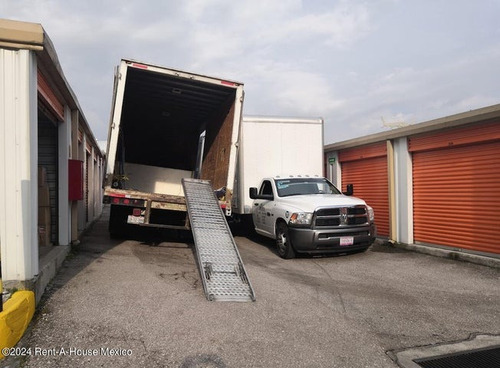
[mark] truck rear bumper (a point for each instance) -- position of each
(324, 241)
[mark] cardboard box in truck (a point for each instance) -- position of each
(166, 125)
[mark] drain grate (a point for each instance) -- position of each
(478, 358)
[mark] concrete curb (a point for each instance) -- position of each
(15, 318)
(50, 264)
(20, 307)
(452, 253)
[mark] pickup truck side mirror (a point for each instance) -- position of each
(349, 190)
(254, 195)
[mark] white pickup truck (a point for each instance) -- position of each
(310, 215)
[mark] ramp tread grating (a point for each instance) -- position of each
(222, 272)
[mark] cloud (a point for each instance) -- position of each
(304, 92)
(343, 25)
(416, 94)
(350, 62)
(220, 30)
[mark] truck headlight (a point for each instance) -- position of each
(301, 218)
(371, 214)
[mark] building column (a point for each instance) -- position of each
(19, 162)
(64, 138)
(82, 155)
(74, 155)
(99, 185)
(403, 190)
(333, 169)
(96, 184)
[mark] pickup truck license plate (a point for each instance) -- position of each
(135, 219)
(346, 240)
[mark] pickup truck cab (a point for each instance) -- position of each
(310, 215)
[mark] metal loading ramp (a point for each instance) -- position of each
(221, 269)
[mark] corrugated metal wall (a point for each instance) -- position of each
(18, 157)
(456, 187)
(366, 168)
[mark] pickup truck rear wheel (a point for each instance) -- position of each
(283, 241)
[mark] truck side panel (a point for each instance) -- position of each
(272, 146)
(216, 161)
(219, 164)
(114, 124)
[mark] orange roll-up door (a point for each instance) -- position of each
(366, 168)
(456, 188)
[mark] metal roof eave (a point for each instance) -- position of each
(31, 36)
(472, 116)
(21, 35)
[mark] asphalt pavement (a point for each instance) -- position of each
(121, 303)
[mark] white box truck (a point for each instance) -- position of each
(271, 145)
(281, 184)
(166, 125)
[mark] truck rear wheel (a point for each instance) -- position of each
(283, 242)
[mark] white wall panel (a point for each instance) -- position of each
(18, 164)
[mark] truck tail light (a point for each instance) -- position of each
(124, 201)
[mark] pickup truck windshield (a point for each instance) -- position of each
(301, 186)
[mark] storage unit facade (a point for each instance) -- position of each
(442, 180)
(46, 148)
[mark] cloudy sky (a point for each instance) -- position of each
(351, 62)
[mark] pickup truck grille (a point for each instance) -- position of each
(341, 216)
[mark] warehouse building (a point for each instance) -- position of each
(51, 167)
(435, 183)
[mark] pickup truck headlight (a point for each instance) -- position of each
(301, 218)
(371, 214)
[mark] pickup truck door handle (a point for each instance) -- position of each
(256, 204)
(269, 214)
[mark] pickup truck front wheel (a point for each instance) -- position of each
(283, 241)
